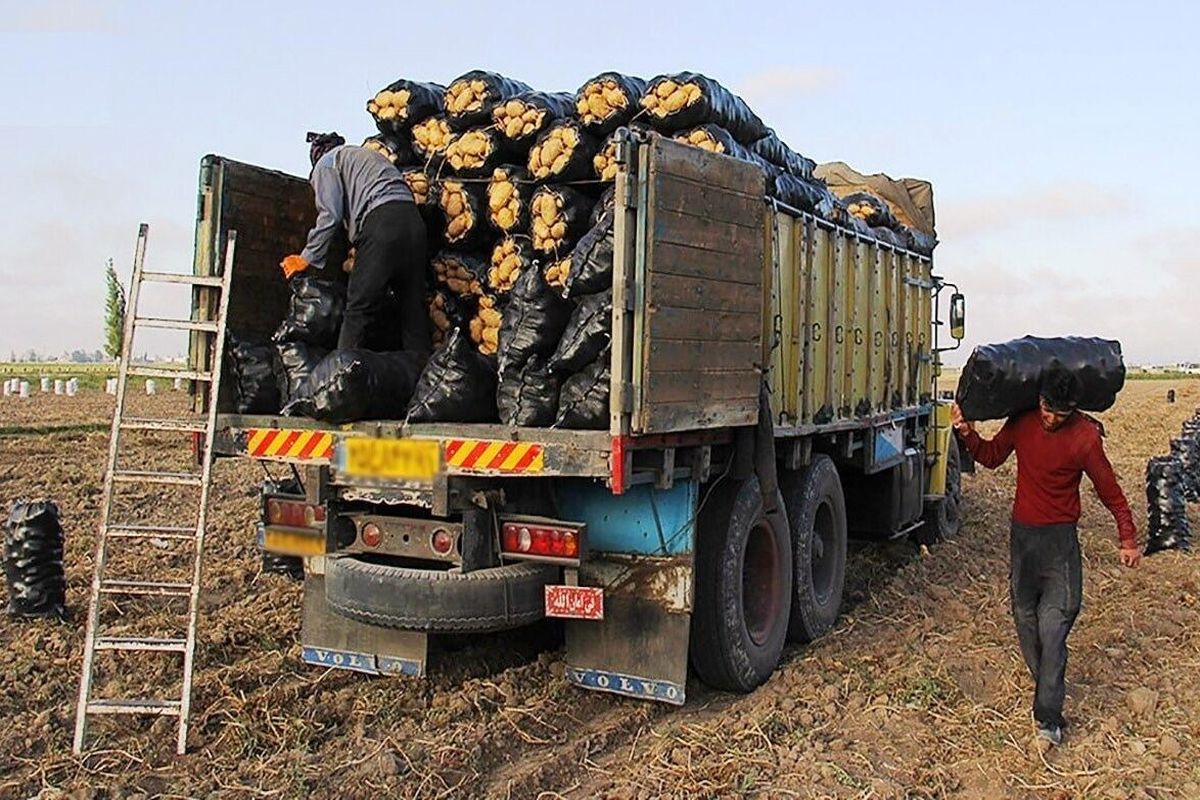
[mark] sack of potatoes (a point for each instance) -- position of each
(871, 210)
(687, 99)
(463, 274)
(533, 322)
(447, 311)
(564, 152)
(394, 149)
(608, 101)
(464, 208)
(604, 163)
(431, 137)
(476, 152)
(418, 183)
(589, 267)
(484, 326)
(400, 105)
(775, 151)
(528, 397)
(471, 97)
(523, 118)
(511, 257)
(558, 217)
(508, 196)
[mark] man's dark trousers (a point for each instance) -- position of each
(1046, 589)
(390, 252)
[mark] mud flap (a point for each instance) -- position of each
(641, 546)
(332, 641)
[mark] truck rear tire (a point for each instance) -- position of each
(816, 509)
(943, 517)
(743, 589)
(435, 601)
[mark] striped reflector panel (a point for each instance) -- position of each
(483, 455)
(292, 445)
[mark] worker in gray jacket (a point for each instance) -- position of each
(360, 189)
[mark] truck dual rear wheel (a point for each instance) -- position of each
(942, 518)
(816, 510)
(743, 589)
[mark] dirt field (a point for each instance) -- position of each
(918, 693)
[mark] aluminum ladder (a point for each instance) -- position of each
(117, 533)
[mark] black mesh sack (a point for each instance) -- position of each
(395, 149)
(589, 269)
(33, 560)
(475, 153)
(354, 385)
(687, 99)
(715, 139)
(563, 153)
(296, 361)
(871, 210)
(403, 103)
(588, 333)
(255, 383)
(522, 119)
(532, 323)
(430, 138)
(1168, 523)
(775, 151)
(804, 195)
(463, 274)
(509, 193)
(558, 218)
(608, 101)
(464, 211)
(1001, 380)
(583, 399)
(528, 397)
(919, 242)
(471, 97)
(314, 313)
(1187, 451)
(457, 385)
(604, 163)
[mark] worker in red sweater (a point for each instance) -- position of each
(1055, 446)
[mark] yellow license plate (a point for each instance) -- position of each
(403, 459)
(291, 542)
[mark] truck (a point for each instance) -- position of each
(772, 393)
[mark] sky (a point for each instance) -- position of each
(1059, 137)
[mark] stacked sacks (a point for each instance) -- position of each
(353, 385)
(254, 365)
(1168, 522)
(1190, 457)
(33, 560)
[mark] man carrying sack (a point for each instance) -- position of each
(1055, 446)
(361, 190)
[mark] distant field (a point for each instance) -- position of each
(1160, 376)
(90, 376)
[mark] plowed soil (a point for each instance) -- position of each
(918, 693)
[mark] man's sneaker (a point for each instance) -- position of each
(1052, 734)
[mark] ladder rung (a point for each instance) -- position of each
(177, 324)
(148, 424)
(172, 478)
(160, 588)
(179, 277)
(161, 708)
(159, 372)
(151, 532)
(146, 643)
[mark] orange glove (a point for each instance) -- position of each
(293, 265)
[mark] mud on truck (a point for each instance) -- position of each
(772, 393)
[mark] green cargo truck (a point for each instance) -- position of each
(772, 394)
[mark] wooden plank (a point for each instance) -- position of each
(733, 240)
(704, 200)
(702, 166)
(696, 262)
(690, 416)
(675, 354)
(700, 293)
(624, 349)
(706, 326)
(701, 386)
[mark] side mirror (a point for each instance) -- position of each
(958, 316)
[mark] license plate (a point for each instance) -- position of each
(401, 459)
(291, 542)
(575, 602)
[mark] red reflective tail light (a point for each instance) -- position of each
(294, 513)
(543, 539)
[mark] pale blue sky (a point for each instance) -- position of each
(1059, 136)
